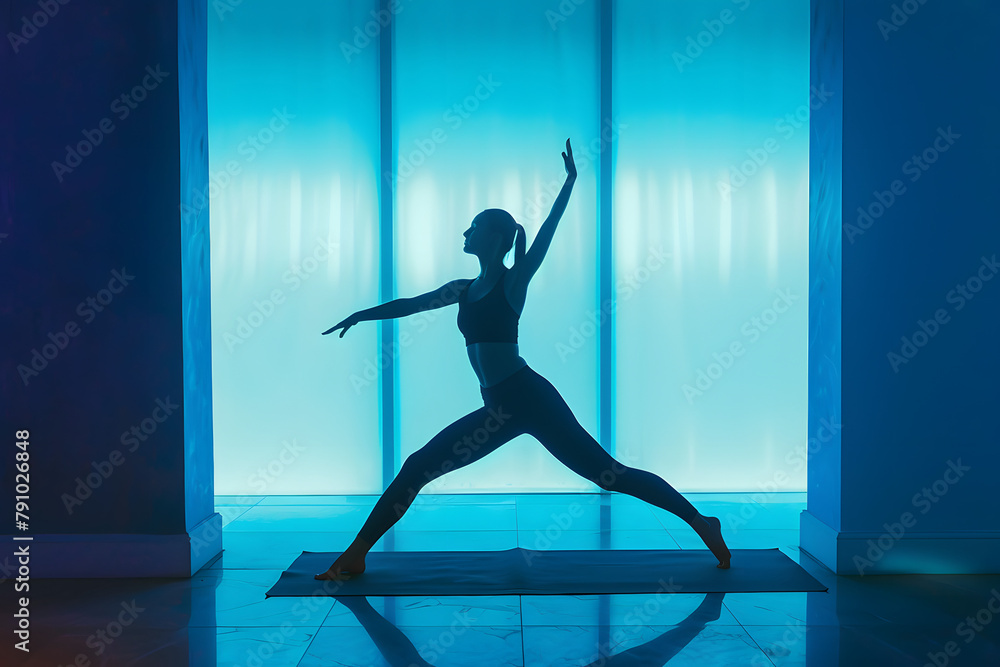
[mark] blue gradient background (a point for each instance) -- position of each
(296, 412)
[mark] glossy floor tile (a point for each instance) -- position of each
(267, 645)
(620, 610)
(350, 517)
(415, 611)
(554, 539)
(393, 646)
(274, 550)
(688, 645)
(221, 616)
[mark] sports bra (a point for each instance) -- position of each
(491, 319)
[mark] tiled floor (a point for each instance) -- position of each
(221, 617)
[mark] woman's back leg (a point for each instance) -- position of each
(553, 424)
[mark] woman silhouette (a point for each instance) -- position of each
(516, 399)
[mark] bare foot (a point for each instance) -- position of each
(347, 564)
(710, 530)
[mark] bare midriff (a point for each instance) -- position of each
(494, 362)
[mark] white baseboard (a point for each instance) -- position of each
(900, 551)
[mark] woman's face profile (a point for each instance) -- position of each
(477, 237)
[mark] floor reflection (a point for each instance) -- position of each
(399, 651)
(221, 616)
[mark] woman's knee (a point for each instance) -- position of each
(612, 476)
(420, 469)
(416, 470)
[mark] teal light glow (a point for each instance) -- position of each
(294, 249)
(712, 169)
(483, 98)
(501, 149)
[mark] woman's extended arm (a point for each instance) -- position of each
(536, 253)
(389, 310)
(445, 295)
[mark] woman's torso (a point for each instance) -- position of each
(494, 362)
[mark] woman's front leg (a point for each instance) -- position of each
(459, 444)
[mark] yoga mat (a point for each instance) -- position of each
(528, 572)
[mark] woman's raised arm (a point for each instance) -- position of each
(532, 259)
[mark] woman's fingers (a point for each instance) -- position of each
(346, 324)
(568, 158)
(334, 328)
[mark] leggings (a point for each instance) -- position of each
(524, 402)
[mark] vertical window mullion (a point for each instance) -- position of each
(606, 275)
(387, 328)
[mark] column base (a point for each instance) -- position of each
(116, 556)
(900, 551)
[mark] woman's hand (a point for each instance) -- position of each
(346, 323)
(570, 164)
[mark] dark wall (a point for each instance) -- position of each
(931, 84)
(919, 358)
(68, 231)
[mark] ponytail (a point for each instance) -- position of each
(519, 243)
(506, 227)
